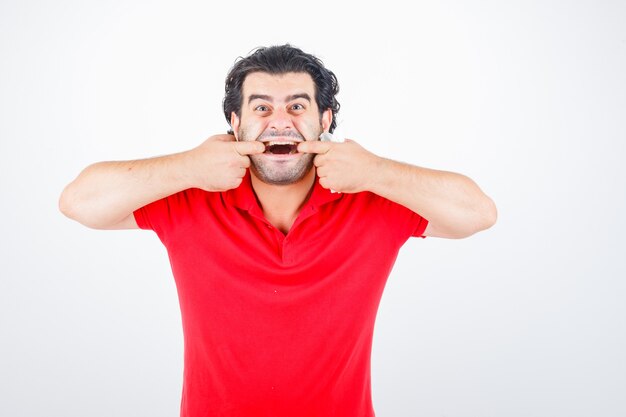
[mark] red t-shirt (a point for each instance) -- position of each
(278, 325)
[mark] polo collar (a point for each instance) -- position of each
(243, 197)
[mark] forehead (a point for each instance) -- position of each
(278, 85)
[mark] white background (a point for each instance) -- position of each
(528, 98)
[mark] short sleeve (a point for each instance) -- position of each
(405, 222)
(163, 215)
(142, 214)
(416, 223)
(420, 228)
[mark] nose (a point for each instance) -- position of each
(280, 120)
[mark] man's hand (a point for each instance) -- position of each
(220, 163)
(344, 167)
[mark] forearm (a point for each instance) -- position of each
(105, 193)
(452, 203)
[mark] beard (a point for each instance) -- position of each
(279, 172)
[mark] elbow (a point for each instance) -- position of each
(70, 206)
(76, 201)
(66, 204)
(489, 214)
(484, 217)
(466, 226)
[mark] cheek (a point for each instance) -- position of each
(310, 128)
(253, 129)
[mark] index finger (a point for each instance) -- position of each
(249, 148)
(314, 146)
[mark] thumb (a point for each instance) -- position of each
(249, 148)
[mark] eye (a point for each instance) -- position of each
(297, 107)
(262, 108)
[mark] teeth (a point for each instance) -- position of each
(276, 142)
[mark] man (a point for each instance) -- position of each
(280, 243)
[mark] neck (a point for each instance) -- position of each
(281, 204)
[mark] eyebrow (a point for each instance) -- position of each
(271, 100)
(301, 95)
(259, 97)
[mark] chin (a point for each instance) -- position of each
(279, 177)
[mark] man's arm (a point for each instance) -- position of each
(105, 194)
(453, 204)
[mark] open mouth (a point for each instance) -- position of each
(281, 147)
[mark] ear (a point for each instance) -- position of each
(327, 119)
(234, 124)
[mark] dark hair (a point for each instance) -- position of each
(278, 60)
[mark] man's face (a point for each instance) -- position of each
(280, 111)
